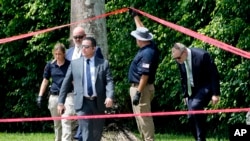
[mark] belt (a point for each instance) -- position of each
(54, 93)
(134, 84)
(90, 98)
(137, 84)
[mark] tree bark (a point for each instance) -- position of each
(83, 9)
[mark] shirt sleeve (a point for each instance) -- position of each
(147, 57)
(47, 72)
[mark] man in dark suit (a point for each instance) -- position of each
(200, 84)
(93, 89)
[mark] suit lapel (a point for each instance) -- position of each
(193, 61)
(97, 67)
(195, 64)
(81, 67)
(71, 52)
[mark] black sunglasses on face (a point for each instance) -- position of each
(179, 57)
(86, 46)
(78, 37)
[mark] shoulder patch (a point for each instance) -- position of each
(145, 65)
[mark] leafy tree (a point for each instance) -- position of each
(226, 21)
(22, 61)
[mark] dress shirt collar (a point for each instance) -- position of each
(188, 55)
(90, 59)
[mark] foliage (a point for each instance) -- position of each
(230, 25)
(22, 61)
(226, 21)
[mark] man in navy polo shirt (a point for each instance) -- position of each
(142, 76)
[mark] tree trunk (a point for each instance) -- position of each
(83, 9)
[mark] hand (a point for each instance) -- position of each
(215, 99)
(136, 98)
(60, 109)
(39, 101)
(185, 101)
(133, 13)
(108, 102)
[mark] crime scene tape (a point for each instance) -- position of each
(21, 36)
(176, 27)
(196, 35)
(181, 29)
(171, 113)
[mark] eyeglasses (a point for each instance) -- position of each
(78, 37)
(86, 46)
(179, 57)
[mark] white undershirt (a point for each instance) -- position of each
(77, 52)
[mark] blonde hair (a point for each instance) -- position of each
(59, 46)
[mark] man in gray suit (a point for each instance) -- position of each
(93, 89)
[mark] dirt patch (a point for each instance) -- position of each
(114, 133)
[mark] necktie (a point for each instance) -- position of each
(188, 78)
(88, 74)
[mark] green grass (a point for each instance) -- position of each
(171, 137)
(50, 136)
(26, 136)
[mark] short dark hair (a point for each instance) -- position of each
(92, 40)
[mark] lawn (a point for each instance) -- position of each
(49, 137)
(26, 136)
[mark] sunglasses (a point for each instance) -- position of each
(179, 57)
(78, 37)
(86, 46)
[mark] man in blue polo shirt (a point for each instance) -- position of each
(142, 76)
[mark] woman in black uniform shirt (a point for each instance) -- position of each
(56, 70)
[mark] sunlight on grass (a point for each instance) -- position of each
(26, 137)
(171, 137)
(50, 137)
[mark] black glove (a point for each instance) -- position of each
(136, 98)
(39, 101)
(133, 13)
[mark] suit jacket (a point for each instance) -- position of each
(69, 53)
(103, 83)
(205, 75)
